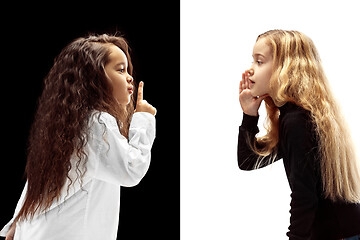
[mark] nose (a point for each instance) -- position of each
(130, 79)
(250, 71)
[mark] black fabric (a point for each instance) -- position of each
(312, 216)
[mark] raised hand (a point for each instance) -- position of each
(249, 104)
(141, 104)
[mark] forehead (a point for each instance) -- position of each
(262, 47)
(116, 54)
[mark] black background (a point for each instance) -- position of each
(33, 35)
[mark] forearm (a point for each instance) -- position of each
(246, 157)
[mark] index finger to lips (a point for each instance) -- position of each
(140, 91)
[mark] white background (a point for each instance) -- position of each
(218, 201)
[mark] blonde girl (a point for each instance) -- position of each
(306, 129)
(85, 142)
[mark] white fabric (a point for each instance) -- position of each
(91, 210)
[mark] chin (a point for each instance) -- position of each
(124, 102)
(254, 94)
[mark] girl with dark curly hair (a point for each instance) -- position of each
(86, 141)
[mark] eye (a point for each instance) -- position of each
(122, 70)
(259, 62)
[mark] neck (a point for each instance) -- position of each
(270, 100)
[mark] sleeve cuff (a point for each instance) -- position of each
(140, 117)
(144, 120)
(249, 122)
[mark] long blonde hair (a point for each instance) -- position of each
(298, 77)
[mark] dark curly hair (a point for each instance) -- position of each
(75, 86)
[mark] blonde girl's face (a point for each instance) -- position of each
(119, 78)
(261, 69)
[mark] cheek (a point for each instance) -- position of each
(119, 84)
(269, 74)
(120, 90)
(265, 75)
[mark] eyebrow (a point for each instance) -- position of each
(120, 63)
(258, 54)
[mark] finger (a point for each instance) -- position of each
(242, 87)
(140, 91)
(247, 81)
(241, 84)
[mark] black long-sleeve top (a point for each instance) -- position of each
(312, 216)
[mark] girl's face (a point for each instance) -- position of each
(261, 69)
(120, 79)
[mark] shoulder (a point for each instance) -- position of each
(102, 118)
(296, 122)
(295, 116)
(102, 124)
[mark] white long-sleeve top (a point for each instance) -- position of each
(90, 210)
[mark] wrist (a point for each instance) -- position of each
(249, 122)
(251, 113)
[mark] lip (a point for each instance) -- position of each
(251, 81)
(130, 90)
